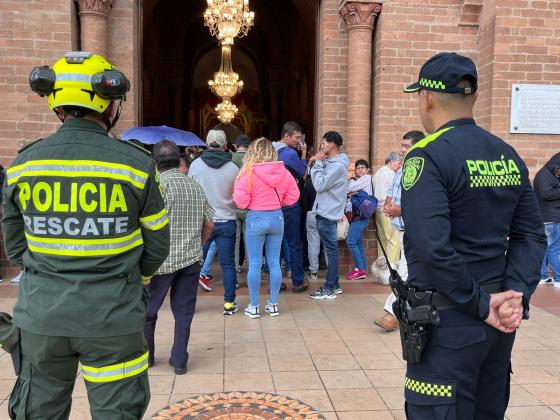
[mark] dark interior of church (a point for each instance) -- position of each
(276, 61)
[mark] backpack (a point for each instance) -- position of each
(299, 180)
(363, 204)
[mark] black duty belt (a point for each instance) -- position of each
(442, 303)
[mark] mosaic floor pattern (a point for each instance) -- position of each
(239, 406)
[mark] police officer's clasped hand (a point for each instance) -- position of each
(511, 312)
(503, 313)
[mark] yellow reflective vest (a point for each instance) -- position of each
(84, 216)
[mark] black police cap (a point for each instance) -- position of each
(443, 72)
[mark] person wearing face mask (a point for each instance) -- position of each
(329, 177)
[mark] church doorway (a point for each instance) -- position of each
(276, 61)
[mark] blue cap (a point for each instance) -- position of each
(442, 73)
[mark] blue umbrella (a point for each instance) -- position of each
(153, 134)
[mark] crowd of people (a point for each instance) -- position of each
(104, 230)
(274, 205)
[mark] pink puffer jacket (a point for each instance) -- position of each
(256, 190)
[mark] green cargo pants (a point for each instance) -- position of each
(115, 371)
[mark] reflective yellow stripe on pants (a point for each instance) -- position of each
(116, 372)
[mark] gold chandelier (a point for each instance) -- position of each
(227, 19)
(226, 83)
(226, 111)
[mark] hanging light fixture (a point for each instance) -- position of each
(227, 19)
(226, 111)
(226, 83)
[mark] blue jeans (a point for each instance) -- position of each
(354, 240)
(292, 216)
(206, 269)
(552, 256)
(224, 235)
(264, 229)
(286, 254)
(327, 232)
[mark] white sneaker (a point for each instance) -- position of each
(272, 309)
(17, 278)
(557, 284)
(547, 280)
(252, 312)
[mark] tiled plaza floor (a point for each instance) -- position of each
(326, 354)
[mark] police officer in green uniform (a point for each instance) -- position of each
(474, 243)
(84, 216)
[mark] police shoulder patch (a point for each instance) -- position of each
(412, 171)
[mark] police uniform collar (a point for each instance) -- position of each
(82, 124)
(456, 123)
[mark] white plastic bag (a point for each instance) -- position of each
(342, 228)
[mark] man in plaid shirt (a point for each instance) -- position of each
(392, 209)
(190, 222)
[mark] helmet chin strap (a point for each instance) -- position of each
(59, 112)
(110, 124)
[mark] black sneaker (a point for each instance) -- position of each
(302, 287)
(337, 290)
(230, 308)
(323, 294)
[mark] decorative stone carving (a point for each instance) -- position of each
(95, 7)
(359, 14)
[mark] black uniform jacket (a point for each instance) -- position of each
(547, 190)
(471, 217)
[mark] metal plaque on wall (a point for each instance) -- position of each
(535, 109)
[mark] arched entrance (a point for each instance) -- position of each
(276, 62)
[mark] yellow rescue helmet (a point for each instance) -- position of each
(81, 79)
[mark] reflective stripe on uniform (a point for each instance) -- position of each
(73, 77)
(116, 372)
(436, 390)
(155, 221)
(84, 247)
(427, 140)
(77, 168)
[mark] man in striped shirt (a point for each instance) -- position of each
(190, 221)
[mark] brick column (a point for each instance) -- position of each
(360, 19)
(93, 22)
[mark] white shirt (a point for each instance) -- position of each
(382, 182)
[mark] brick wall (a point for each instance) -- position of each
(32, 33)
(512, 41)
(526, 50)
(120, 53)
(407, 34)
(332, 80)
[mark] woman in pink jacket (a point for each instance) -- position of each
(264, 186)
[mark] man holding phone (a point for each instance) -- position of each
(287, 147)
